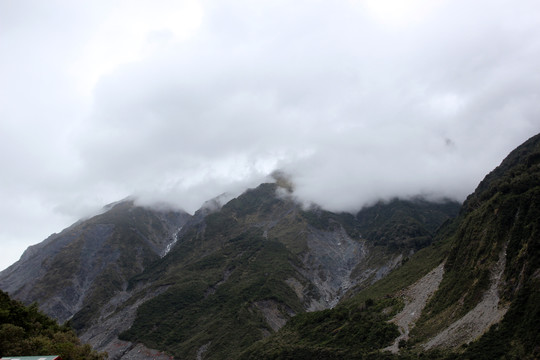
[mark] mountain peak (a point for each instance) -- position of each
(283, 180)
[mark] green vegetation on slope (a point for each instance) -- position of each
(221, 274)
(345, 332)
(517, 335)
(405, 223)
(396, 224)
(25, 331)
(503, 213)
(212, 300)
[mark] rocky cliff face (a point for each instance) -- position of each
(491, 272)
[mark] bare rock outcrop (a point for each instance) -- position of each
(415, 297)
(477, 321)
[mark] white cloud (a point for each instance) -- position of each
(181, 101)
(127, 31)
(397, 13)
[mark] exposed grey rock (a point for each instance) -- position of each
(91, 245)
(477, 321)
(114, 318)
(202, 350)
(328, 265)
(415, 298)
(275, 314)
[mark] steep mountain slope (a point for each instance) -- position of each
(241, 272)
(73, 273)
(484, 266)
(235, 274)
(495, 256)
(358, 327)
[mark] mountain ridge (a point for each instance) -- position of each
(320, 254)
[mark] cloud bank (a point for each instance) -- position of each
(182, 101)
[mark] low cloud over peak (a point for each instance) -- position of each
(355, 100)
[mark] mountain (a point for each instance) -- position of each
(235, 272)
(473, 294)
(262, 277)
(77, 269)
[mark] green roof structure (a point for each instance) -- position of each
(46, 357)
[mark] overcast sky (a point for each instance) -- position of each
(180, 101)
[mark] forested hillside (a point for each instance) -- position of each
(25, 331)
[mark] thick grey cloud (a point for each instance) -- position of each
(181, 101)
